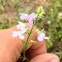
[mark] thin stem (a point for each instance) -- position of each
(29, 34)
(27, 42)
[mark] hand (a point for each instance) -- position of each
(11, 48)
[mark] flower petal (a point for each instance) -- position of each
(23, 30)
(46, 38)
(21, 36)
(42, 30)
(14, 34)
(21, 25)
(23, 16)
(40, 38)
(33, 15)
(31, 21)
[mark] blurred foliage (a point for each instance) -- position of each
(52, 22)
(15, 3)
(1, 5)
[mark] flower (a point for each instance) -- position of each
(31, 17)
(21, 36)
(18, 33)
(21, 25)
(42, 30)
(42, 36)
(23, 16)
(23, 30)
(15, 34)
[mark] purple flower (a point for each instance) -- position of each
(21, 25)
(21, 36)
(23, 16)
(42, 15)
(31, 17)
(23, 30)
(42, 30)
(30, 20)
(18, 33)
(42, 36)
(28, 17)
(43, 10)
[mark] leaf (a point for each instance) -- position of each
(23, 41)
(37, 30)
(32, 41)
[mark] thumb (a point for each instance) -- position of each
(47, 57)
(11, 48)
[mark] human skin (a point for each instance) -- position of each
(11, 48)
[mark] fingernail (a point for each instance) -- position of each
(53, 60)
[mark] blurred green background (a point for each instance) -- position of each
(52, 22)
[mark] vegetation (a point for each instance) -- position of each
(52, 21)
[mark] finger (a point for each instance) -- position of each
(33, 36)
(38, 48)
(13, 47)
(47, 57)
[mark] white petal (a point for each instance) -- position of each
(19, 22)
(46, 38)
(23, 30)
(21, 36)
(18, 32)
(18, 26)
(21, 25)
(40, 38)
(14, 35)
(14, 32)
(42, 35)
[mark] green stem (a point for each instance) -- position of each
(29, 34)
(27, 42)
